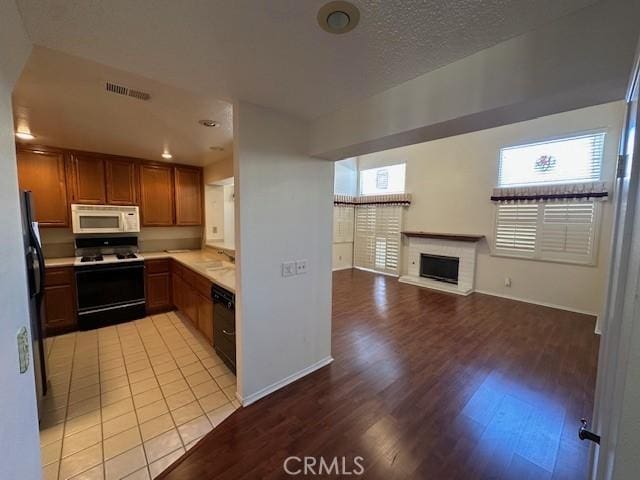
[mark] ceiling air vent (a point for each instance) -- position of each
(126, 91)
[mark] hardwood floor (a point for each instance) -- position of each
(424, 385)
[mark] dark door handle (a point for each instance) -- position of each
(231, 334)
(584, 434)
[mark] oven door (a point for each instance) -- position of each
(98, 222)
(109, 287)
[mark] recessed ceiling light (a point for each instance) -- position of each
(167, 156)
(338, 17)
(216, 149)
(209, 123)
(25, 136)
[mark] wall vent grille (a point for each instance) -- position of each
(126, 91)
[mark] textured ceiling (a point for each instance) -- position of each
(272, 52)
(62, 100)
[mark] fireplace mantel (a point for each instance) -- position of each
(460, 237)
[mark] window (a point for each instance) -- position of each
(566, 160)
(382, 180)
(377, 238)
(545, 227)
(557, 231)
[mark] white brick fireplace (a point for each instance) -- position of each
(463, 247)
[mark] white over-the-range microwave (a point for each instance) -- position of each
(104, 219)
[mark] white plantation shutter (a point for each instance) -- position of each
(377, 237)
(343, 223)
(516, 228)
(568, 231)
(555, 231)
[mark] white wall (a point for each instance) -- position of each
(451, 180)
(19, 442)
(579, 60)
(229, 214)
(283, 212)
(214, 212)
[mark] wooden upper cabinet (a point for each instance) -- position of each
(156, 195)
(88, 179)
(188, 187)
(43, 172)
(121, 181)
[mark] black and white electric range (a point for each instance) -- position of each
(109, 281)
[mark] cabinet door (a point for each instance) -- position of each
(121, 182)
(191, 304)
(43, 172)
(88, 179)
(158, 292)
(205, 317)
(156, 195)
(59, 309)
(188, 187)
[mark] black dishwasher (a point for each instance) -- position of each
(224, 325)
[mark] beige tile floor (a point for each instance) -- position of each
(126, 401)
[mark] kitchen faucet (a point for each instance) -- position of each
(231, 258)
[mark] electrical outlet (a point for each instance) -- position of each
(301, 267)
(214, 229)
(507, 281)
(288, 269)
(23, 349)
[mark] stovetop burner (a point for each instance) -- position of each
(92, 258)
(122, 256)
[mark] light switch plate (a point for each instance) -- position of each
(288, 269)
(23, 349)
(301, 267)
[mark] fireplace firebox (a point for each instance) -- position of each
(439, 267)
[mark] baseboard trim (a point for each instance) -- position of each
(535, 302)
(254, 397)
(341, 268)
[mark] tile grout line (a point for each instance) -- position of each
(135, 412)
(66, 410)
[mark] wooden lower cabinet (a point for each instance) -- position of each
(192, 297)
(59, 301)
(158, 286)
(205, 317)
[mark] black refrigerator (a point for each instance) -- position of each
(34, 260)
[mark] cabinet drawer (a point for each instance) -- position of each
(58, 276)
(203, 286)
(177, 269)
(160, 265)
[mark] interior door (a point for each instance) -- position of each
(619, 317)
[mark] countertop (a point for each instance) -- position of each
(204, 262)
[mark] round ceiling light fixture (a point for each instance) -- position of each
(167, 156)
(209, 123)
(25, 135)
(338, 17)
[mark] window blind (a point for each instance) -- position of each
(377, 238)
(343, 216)
(562, 231)
(565, 160)
(516, 227)
(568, 231)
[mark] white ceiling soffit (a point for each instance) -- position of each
(67, 101)
(274, 53)
(576, 61)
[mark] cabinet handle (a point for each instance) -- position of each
(231, 334)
